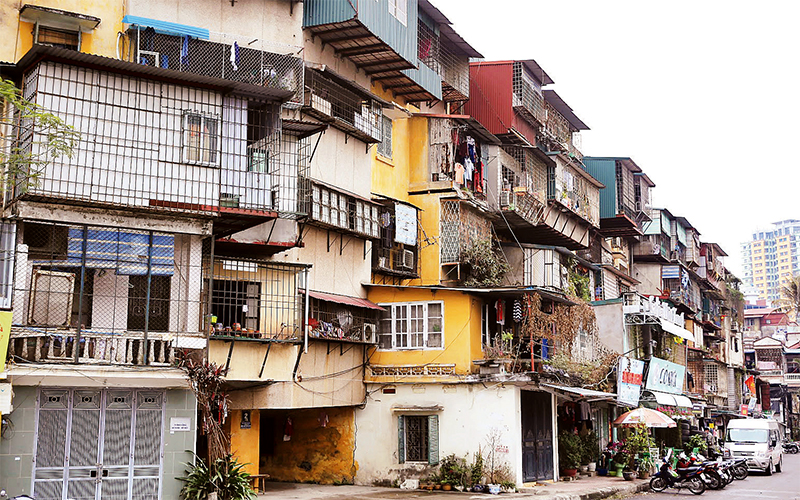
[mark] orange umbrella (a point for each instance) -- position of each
(651, 418)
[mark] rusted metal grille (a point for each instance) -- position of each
(416, 438)
(460, 226)
(527, 98)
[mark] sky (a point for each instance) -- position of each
(704, 95)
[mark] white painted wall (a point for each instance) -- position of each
(260, 19)
(471, 412)
(649, 276)
(611, 326)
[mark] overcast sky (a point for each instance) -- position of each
(703, 95)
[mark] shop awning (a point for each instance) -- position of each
(345, 299)
(583, 393)
(663, 398)
(676, 330)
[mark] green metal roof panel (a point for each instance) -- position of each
(681, 233)
(605, 171)
(374, 14)
(426, 78)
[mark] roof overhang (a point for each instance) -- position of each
(558, 103)
(664, 398)
(676, 330)
(344, 300)
(58, 18)
(581, 393)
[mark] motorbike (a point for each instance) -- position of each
(4, 496)
(791, 447)
(690, 478)
(713, 477)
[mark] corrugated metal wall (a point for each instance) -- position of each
(375, 16)
(604, 170)
(490, 86)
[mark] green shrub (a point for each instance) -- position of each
(569, 450)
(227, 478)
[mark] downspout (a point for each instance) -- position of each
(305, 314)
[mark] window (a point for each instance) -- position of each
(418, 439)
(399, 9)
(330, 207)
(366, 219)
(200, 139)
(65, 39)
(413, 325)
(385, 146)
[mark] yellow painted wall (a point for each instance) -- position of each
(17, 36)
(317, 453)
(429, 219)
(462, 329)
(244, 442)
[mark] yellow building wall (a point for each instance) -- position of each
(17, 35)
(462, 330)
(244, 442)
(429, 219)
(320, 448)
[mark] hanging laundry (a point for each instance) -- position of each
(459, 173)
(585, 411)
(517, 311)
(235, 56)
(500, 310)
(185, 51)
(469, 169)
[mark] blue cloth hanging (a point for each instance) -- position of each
(185, 51)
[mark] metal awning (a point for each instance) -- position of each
(417, 408)
(345, 299)
(676, 330)
(589, 394)
(663, 398)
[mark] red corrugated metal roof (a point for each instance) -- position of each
(345, 299)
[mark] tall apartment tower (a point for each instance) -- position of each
(771, 257)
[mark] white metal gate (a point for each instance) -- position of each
(92, 444)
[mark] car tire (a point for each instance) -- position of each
(779, 467)
(768, 469)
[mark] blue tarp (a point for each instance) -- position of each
(167, 27)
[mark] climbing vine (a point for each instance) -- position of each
(487, 268)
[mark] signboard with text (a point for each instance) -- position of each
(665, 376)
(5, 332)
(629, 380)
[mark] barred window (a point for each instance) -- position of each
(385, 146)
(54, 37)
(200, 139)
(418, 439)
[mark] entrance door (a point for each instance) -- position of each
(537, 436)
(93, 444)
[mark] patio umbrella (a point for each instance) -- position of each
(651, 418)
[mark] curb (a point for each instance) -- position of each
(595, 494)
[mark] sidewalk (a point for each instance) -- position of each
(593, 488)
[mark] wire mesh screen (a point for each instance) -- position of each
(328, 99)
(460, 227)
(159, 145)
(527, 96)
(95, 293)
(232, 57)
(571, 189)
(342, 322)
(255, 299)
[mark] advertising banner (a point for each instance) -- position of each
(629, 380)
(665, 376)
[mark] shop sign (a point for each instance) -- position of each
(629, 380)
(743, 410)
(5, 334)
(751, 405)
(665, 376)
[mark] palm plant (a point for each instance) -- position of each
(790, 296)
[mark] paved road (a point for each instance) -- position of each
(779, 486)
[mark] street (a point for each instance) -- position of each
(782, 485)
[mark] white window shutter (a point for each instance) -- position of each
(433, 440)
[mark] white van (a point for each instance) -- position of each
(759, 440)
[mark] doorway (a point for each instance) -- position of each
(537, 436)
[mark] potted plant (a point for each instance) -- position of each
(590, 447)
(569, 452)
(639, 441)
(645, 466)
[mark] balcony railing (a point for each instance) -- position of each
(222, 55)
(792, 378)
(102, 295)
(460, 227)
(653, 245)
(568, 187)
(176, 149)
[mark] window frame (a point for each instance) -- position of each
(409, 320)
(209, 141)
(433, 438)
(77, 32)
(401, 14)
(385, 146)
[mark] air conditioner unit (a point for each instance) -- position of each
(505, 198)
(408, 260)
(51, 298)
(370, 333)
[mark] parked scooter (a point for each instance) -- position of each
(4, 496)
(712, 475)
(690, 477)
(791, 447)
